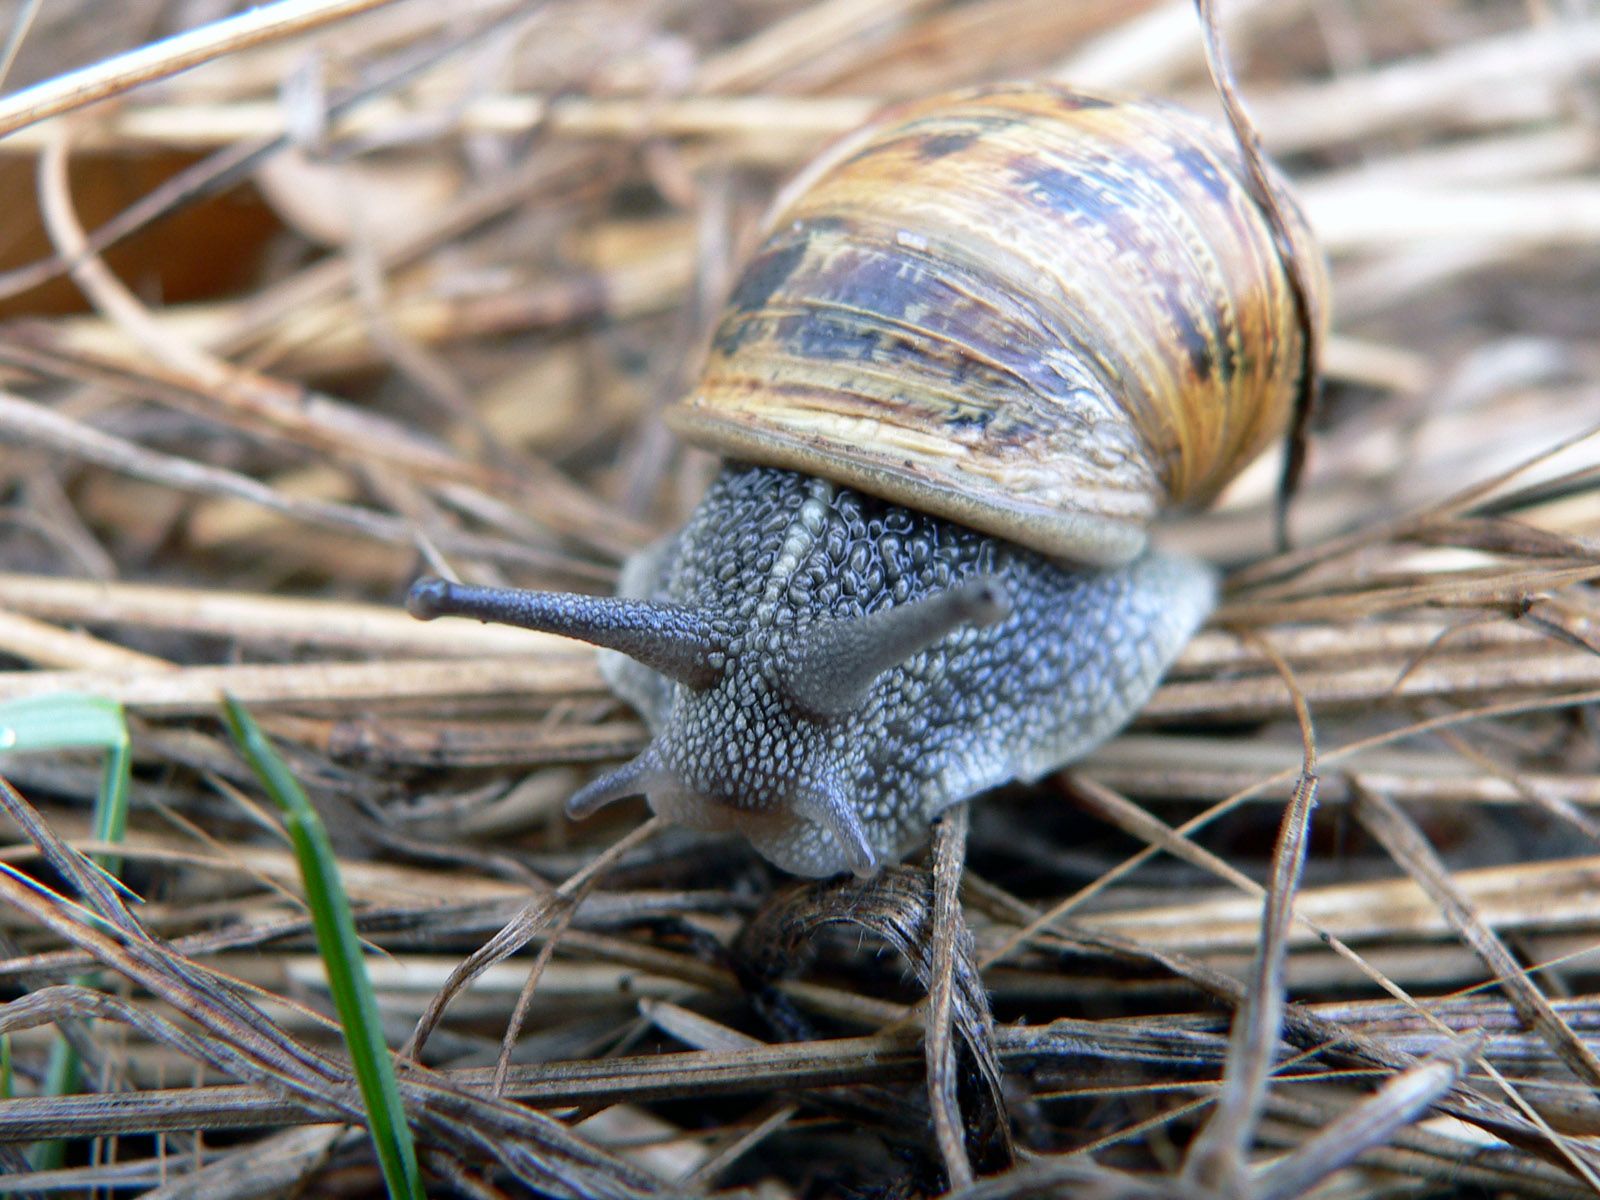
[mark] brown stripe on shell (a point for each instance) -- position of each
(1043, 313)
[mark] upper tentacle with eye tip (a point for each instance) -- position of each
(667, 638)
(828, 668)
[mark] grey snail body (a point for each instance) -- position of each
(985, 342)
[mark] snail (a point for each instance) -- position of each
(985, 342)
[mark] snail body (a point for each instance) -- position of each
(985, 342)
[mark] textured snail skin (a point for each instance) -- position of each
(770, 553)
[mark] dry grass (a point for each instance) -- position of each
(366, 295)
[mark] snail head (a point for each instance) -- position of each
(752, 739)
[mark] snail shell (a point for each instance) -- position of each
(1041, 313)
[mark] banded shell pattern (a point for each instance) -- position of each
(1041, 313)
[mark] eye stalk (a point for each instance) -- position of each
(830, 666)
(667, 638)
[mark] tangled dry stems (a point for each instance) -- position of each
(481, 248)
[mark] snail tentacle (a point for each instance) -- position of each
(633, 778)
(830, 666)
(822, 801)
(668, 638)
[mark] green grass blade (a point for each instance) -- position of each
(111, 805)
(335, 928)
(60, 720)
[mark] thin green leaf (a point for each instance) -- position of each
(335, 929)
(62, 719)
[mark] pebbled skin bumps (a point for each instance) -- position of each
(770, 552)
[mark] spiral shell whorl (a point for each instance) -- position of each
(1040, 313)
